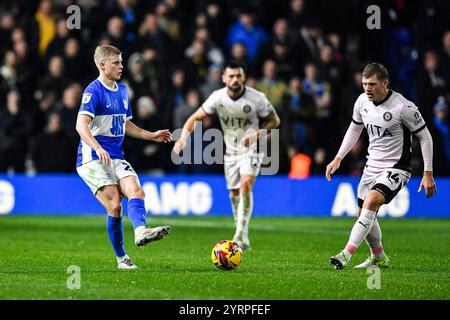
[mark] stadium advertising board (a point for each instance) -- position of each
(207, 195)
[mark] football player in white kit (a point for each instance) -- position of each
(241, 110)
(102, 122)
(390, 121)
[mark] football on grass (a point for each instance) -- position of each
(226, 255)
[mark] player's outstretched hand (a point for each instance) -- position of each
(162, 136)
(332, 167)
(103, 156)
(428, 184)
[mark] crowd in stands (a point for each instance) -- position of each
(305, 55)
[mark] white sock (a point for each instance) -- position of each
(373, 240)
(234, 206)
(359, 232)
(245, 209)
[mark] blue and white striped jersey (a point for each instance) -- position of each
(109, 109)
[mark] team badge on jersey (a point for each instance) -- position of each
(387, 116)
(86, 97)
(247, 109)
(125, 103)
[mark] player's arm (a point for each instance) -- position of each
(413, 120)
(82, 127)
(349, 141)
(188, 127)
(272, 121)
(134, 131)
(426, 146)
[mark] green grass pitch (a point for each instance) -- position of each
(289, 260)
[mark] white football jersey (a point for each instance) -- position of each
(238, 117)
(390, 124)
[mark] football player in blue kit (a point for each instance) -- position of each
(103, 119)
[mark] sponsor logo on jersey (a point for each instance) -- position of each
(247, 109)
(125, 103)
(374, 130)
(387, 116)
(235, 122)
(86, 97)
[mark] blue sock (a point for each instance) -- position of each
(136, 212)
(115, 232)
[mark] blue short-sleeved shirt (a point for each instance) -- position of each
(109, 109)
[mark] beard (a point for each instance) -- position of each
(235, 87)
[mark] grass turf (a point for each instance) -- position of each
(289, 260)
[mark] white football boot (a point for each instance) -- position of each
(147, 235)
(339, 261)
(126, 263)
(372, 261)
(243, 243)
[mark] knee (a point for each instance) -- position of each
(373, 201)
(246, 186)
(234, 192)
(115, 208)
(137, 192)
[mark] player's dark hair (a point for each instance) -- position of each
(377, 69)
(233, 64)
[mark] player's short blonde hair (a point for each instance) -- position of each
(104, 52)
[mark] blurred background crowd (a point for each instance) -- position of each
(305, 55)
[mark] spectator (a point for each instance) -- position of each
(153, 69)
(214, 53)
(150, 33)
(297, 14)
(137, 78)
(196, 63)
(53, 150)
(54, 80)
(299, 113)
(15, 128)
(8, 70)
(56, 46)
(430, 85)
(310, 42)
(173, 97)
(73, 59)
(271, 86)
(68, 109)
(441, 122)
(321, 92)
(247, 32)
(444, 58)
(239, 54)
(47, 25)
(115, 32)
(146, 155)
(213, 80)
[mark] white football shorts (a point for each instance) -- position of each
(237, 165)
(387, 181)
(97, 175)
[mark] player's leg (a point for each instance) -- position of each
(361, 228)
(367, 180)
(245, 210)
(372, 202)
(103, 185)
(232, 177)
(131, 188)
(110, 199)
(389, 183)
(234, 199)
